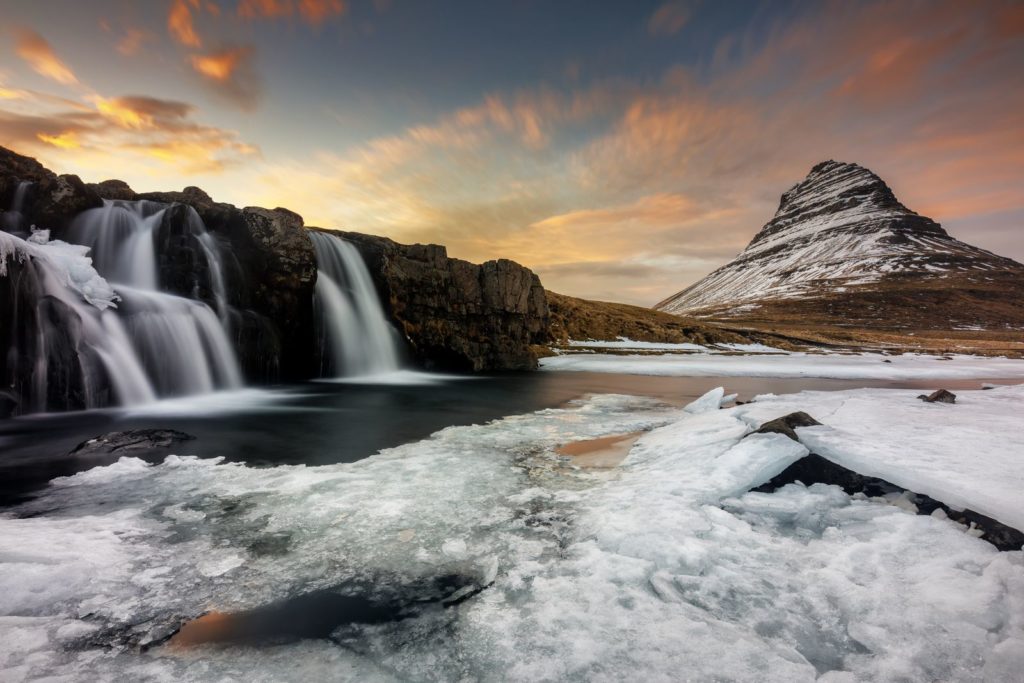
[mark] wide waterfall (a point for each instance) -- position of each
(180, 340)
(355, 335)
(66, 337)
(96, 324)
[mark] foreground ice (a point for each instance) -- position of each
(664, 569)
(967, 455)
(780, 365)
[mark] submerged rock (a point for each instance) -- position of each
(130, 442)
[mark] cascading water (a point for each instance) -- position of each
(354, 332)
(68, 336)
(181, 342)
(13, 220)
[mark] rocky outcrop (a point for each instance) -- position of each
(458, 315)
(787, 425)
(939, 396)
(52, 200)
(453, 314)
(842, 251)
(278, 269)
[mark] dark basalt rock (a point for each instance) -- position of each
(458, 315)
(279, 269)
(113, 189)
(130, 442)
(940, 396)
(814, 469)
(52, 200)
(455, 314)
(37, 330)
(786, 424)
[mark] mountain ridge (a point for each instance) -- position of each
(839, 238)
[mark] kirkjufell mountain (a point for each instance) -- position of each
(842, 250)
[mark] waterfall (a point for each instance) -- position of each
(121, 236)
(355, 335)
(13, 220)
(66, 334)
(179, 340)
(92, 321)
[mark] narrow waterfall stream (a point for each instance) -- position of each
(355, 334)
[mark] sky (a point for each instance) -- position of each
(621, 149)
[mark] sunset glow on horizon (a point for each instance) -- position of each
(621, 150)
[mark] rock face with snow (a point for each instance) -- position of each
(841, 249)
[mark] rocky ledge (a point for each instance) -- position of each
(453, 314)
(458, 315)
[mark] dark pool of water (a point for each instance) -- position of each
(324, 423)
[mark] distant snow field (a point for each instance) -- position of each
(764, 361)
(663, 568)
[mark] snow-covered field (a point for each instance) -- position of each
(762, 363)
(662, 569)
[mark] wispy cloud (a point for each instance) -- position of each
(313, 12)
(134, 134)
(40, 55)
(131, 43)
(669, 18)
(180, 22)
(231, 74)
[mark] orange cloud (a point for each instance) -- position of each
(34, 49)
(139, 113)
(220, 66)
(180, 23)
(313, 12)
(132, 41)
(669, 19)
(229, 72)
(65, 140)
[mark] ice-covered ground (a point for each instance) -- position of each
(626, 344)
(663, 569)
(873, 366)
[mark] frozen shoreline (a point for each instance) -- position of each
(873, 366)
(662, 565)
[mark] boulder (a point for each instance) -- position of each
(113, 189)
(814, 469)
(52, 200)
(940, 396)
(787, 424)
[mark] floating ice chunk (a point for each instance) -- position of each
(712, 400)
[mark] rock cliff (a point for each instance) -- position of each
(458, 315)
(452, 314)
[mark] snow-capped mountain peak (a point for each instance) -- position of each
(840, 229)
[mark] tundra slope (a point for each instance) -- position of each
(842, 251)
